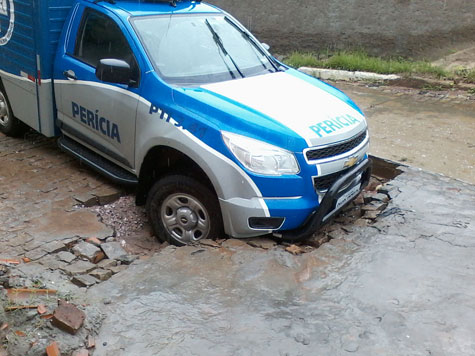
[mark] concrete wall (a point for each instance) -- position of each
(396, 27)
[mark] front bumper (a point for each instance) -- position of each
(328, 206)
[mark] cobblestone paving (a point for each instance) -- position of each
(37, 188)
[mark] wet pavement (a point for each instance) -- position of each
(404, 286)
(399, 283)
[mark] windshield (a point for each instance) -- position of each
(199, 49)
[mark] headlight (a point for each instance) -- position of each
(260, 157)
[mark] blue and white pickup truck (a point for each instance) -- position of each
(180, 100)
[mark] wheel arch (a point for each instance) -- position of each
(163, 160)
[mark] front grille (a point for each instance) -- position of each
(335, 150)
(324, 183)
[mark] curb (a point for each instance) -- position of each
(333, 74)
(391, 79)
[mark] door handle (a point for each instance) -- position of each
(70, 74)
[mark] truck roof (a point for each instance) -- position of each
(144, 7)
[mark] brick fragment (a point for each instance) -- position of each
(68, 317)
(99, 257)
(12, 261)
(91, 342)
(81, 352)
(93, 240)
(42, 309)
(53, 349)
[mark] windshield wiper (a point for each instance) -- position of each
(217, 39)
(271, 60)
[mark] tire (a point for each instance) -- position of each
(183, 211)
(9, 124)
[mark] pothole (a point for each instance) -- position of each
(132, 229)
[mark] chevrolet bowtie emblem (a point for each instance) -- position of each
(351, 162)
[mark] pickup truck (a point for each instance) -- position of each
(181, 101)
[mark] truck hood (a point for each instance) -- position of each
(316, 115)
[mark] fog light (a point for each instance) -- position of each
(266, 223)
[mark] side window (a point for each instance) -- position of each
(98, 38)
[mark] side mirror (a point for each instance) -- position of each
(266, 46)
(113, 71)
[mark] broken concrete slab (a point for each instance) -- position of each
(86, 250)
(101, 274)
(380, 197)
(106, 195)
(117, 269)
(106, 263)
(79, 267)
(84, 280)
(113, 250)
(86, 199)
(54, 246)
(68, 317)
(262, 242)
(35, 254)
(66, 256)
(374, 206)
(127, 259)
(52, 262)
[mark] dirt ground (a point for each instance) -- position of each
(432, 130)
(464, 59)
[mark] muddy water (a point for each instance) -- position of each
(434, 133)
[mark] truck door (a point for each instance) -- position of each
(98, 114)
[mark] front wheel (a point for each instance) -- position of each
(9, 124)
(183, 211)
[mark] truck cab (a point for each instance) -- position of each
(182, 102)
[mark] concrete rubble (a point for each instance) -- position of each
(68, 317)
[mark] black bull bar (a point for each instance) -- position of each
(324, 212)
